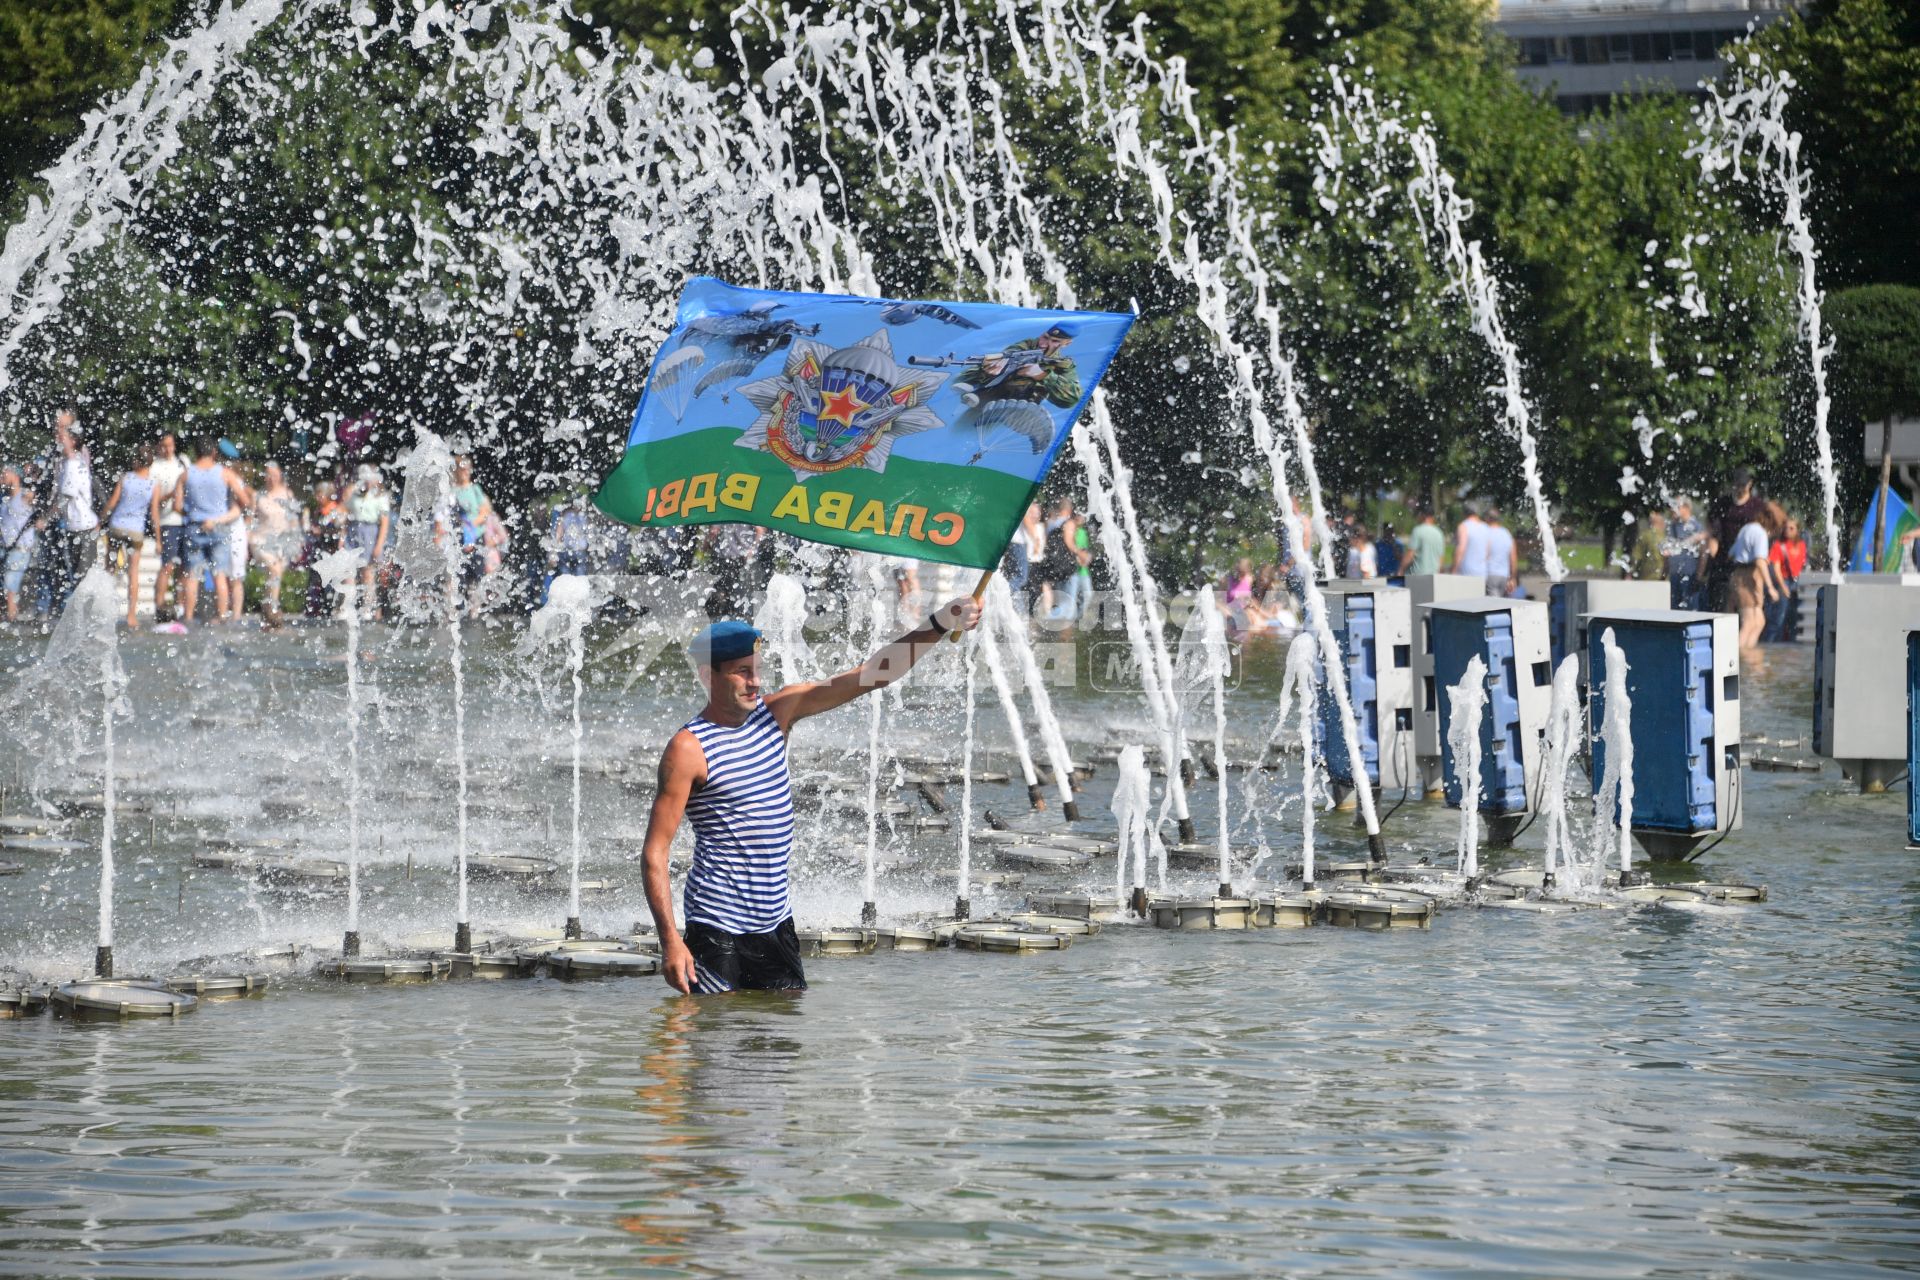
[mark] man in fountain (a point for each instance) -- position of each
(727, 771)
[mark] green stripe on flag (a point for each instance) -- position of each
(963, 515)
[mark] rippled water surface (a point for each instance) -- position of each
(1642, 1092)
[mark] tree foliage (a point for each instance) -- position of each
(57, 57)
(1856, 65)
(300, 264)
(1876, 332)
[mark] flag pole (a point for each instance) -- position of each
(979, 589)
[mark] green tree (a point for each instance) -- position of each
(57, 58)
(1656, 322)
(1876, 330)
(1876, 353)
(318, 254)
(1856, 64)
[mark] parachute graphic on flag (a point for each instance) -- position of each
(907, 428)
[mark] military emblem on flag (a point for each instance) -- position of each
(828, 410)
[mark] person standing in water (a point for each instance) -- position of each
(210, 497)
(1470, 545)
(1503, 557)
(73, 537)
(17, 536)
(727, 770)
(1425, 546)
(279, 531)
(168, 469)
(132, 509)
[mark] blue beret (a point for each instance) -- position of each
(1063, 330)
(723, 642)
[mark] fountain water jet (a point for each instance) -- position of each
(1072, 40)
(340, 571)
(781, 620)
(998, 603)
(1442, 214)
(426, 547)
(94, 598)
(876, 711)
(1299, 687)
(100, 177)
(1206, 661)
(1141, 616)
(1616, 787)
(1562, 744)
(1120, 478)
(568, 610)
(1203, 272)
(1746, 109)
(76, 685)
(1466, 711)
(1132, 791)
(997, 673)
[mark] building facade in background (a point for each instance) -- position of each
(1588, 52)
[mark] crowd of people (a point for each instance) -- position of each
(209, 516)
(1049, 563)
(1746, 558)
(1266, 600)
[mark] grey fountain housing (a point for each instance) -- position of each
(1373, 627)
(1859, 652)
(1424, 589)
(1510, 637)
(1683, 686)
(1573, 601)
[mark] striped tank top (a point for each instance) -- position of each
(743, 827)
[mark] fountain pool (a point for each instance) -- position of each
(1696, 1089)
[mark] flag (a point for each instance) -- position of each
(917, 429)
(1900, 519)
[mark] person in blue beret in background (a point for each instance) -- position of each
(727, 771)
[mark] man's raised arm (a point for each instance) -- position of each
(891, 662)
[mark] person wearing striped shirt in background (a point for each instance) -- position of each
(727, 772)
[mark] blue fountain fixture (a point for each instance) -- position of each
(1373, 629)
(1510, 636)
(1570, 602)
(1860, 655)
(1683, 681)
(1913, 739)
(1422, 590)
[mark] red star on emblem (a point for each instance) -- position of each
(842, 406)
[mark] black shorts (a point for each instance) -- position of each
(725, 961)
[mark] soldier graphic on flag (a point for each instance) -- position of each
(1031, 371)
